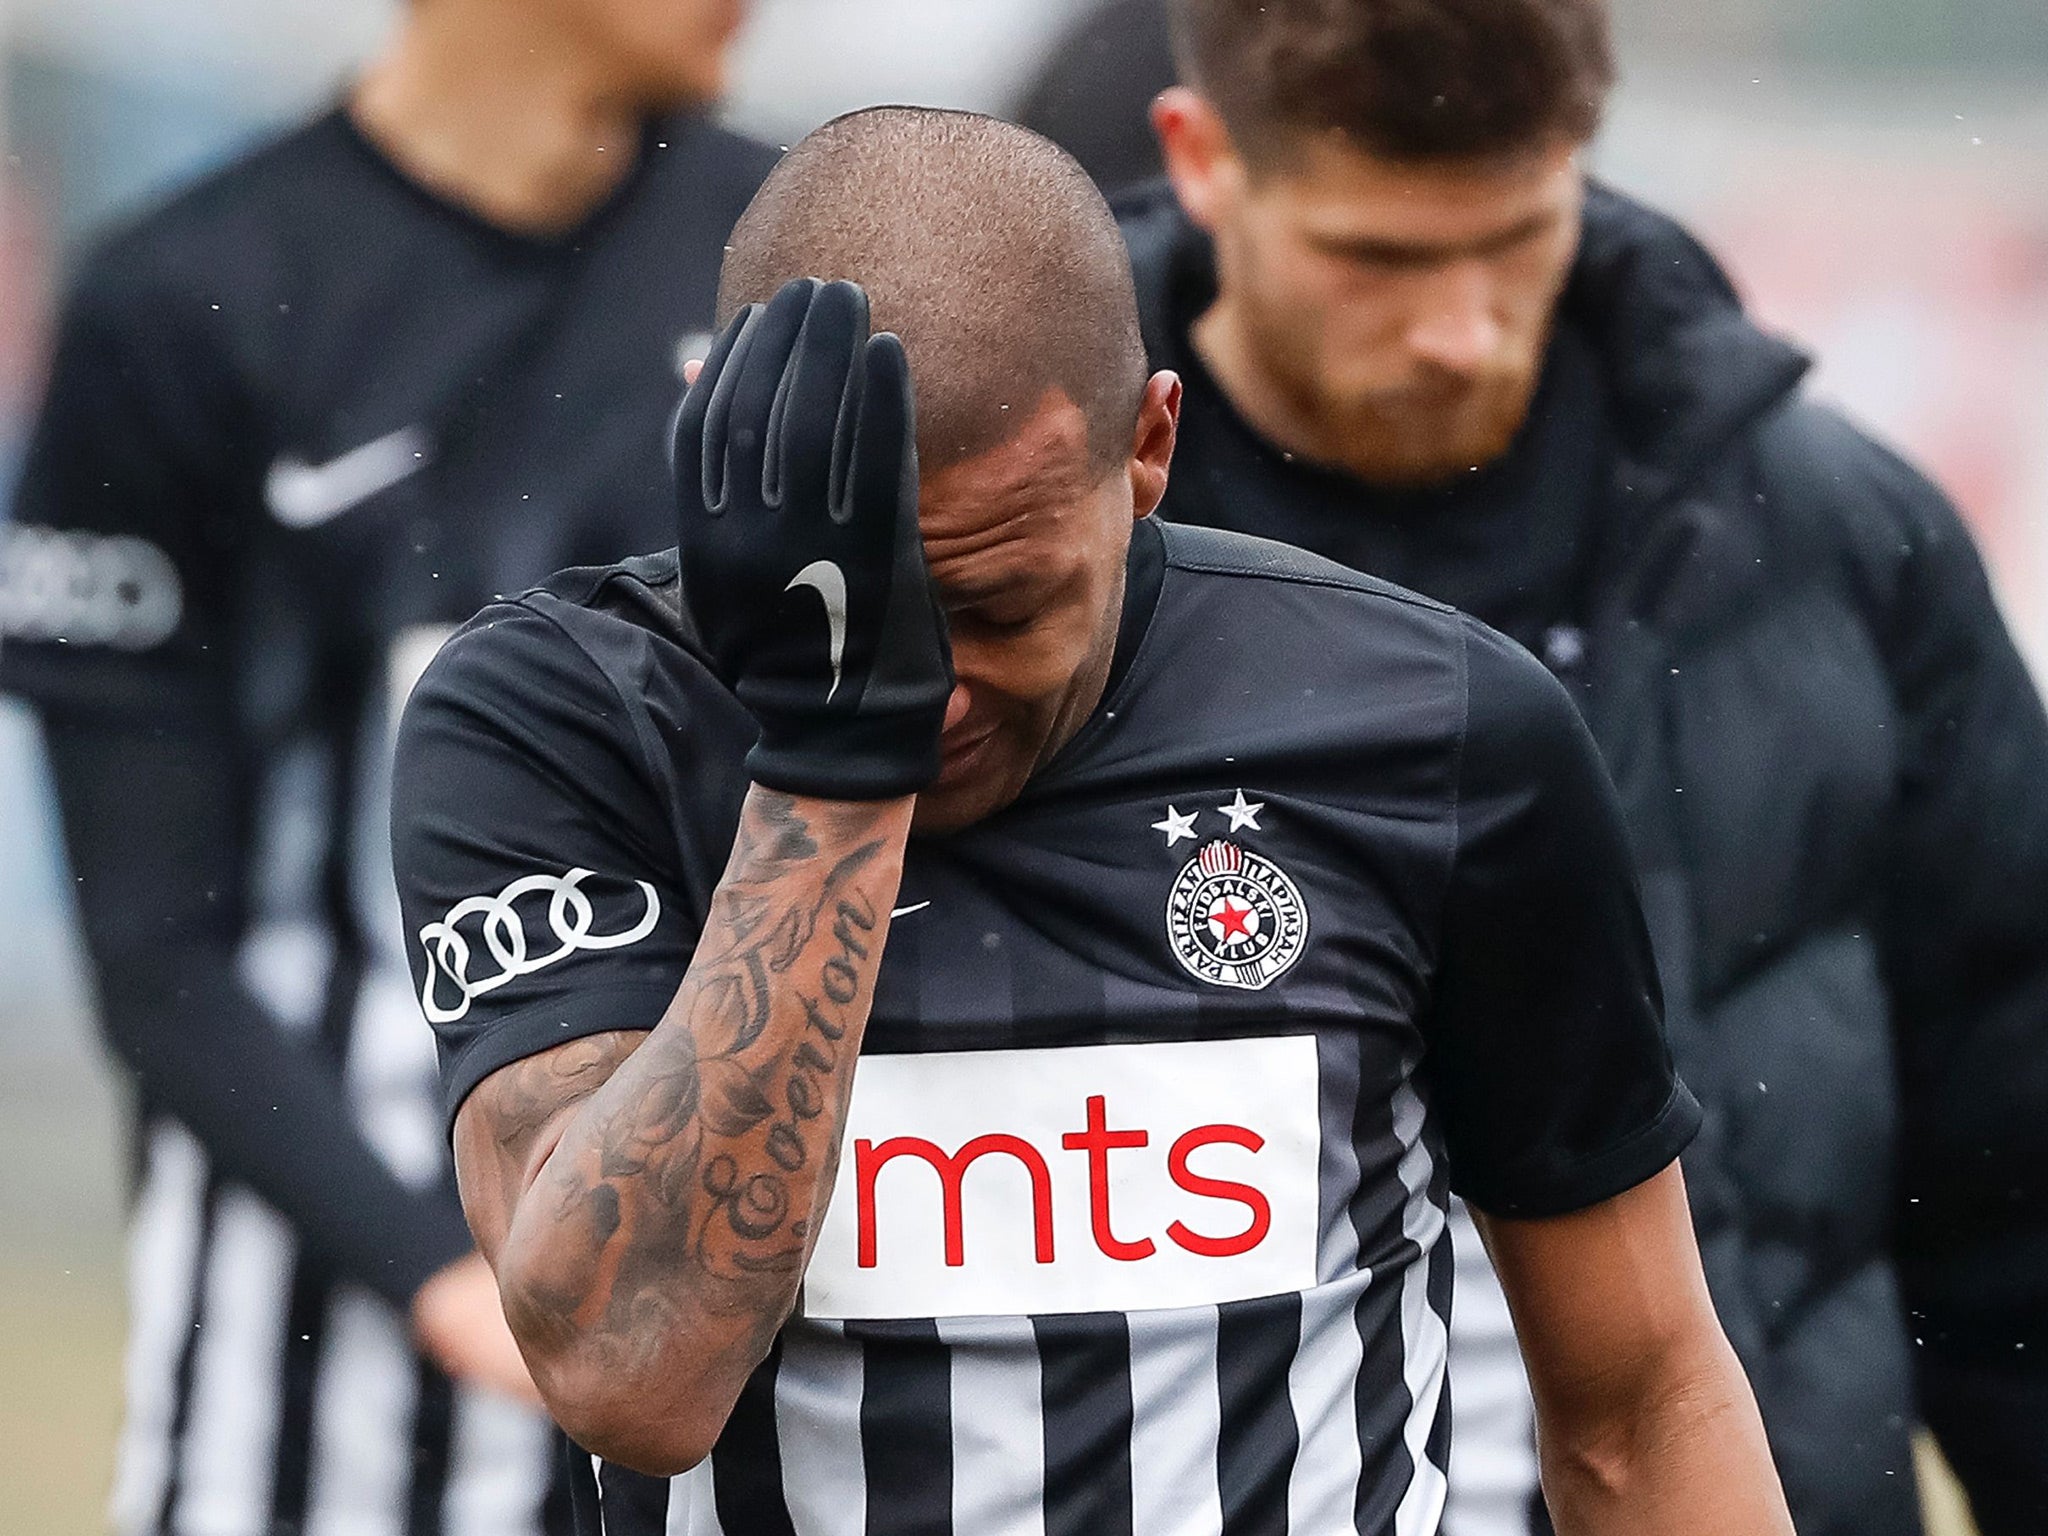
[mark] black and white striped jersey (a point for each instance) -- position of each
(301, 421)
(1140, 1222)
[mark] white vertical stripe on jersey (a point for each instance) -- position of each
(365, 1395)
(1174, 1423)
(998, 1440)
(230, 1447)
(817, 1402)
(498, 1467)
(1322, 1379)
(1322, 1384)
(1493, 1475)
(163, 1248)
(1424, 1338)
(691, 1510)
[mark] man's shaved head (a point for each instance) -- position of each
(982, 245)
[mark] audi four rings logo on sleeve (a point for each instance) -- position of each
(1081, 1179)
(501, 929)
(111, 590)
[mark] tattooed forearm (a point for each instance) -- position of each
(496, 1152)
(664, 1232)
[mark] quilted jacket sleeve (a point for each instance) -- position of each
(1966, 933)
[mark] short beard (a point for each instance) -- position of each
(1418, 448)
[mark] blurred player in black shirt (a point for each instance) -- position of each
(300, 420)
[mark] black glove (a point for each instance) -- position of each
(796, 490)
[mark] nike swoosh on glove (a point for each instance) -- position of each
(796, 497)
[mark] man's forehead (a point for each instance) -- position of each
(1347, 193)
(1025, 487)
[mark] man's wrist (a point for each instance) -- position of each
(856, 759)
(836, 811)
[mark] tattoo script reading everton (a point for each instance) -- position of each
(686, 1192)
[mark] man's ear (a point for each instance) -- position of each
(1152, 442)
(1201, 161)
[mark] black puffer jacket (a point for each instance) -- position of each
(1835, 769)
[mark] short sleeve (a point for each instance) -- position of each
(1547, 1057)
(536, 866)
(118, 559)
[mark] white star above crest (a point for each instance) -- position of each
(1243, 813)
(1177, 826)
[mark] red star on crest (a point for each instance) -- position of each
(1232, 918)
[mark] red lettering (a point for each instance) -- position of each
(1097, 1141)
(868, 1160)
(1219, 1189)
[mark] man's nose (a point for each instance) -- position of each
(956, 705)
(1456, 328)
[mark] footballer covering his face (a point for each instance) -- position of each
(1198, 915)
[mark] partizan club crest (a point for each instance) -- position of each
(1235, 919)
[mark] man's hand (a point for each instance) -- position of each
(459, 1324)
(796, 492)
(1644, 1419)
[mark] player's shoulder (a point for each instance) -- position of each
(595, 648)
(208, 235)
(584, 639)
(1244, 557)
(1349, 620)
(642, 593)
(1521, 730)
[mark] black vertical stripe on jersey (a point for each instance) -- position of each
(1383, 1404)
(572, 1508)
(1442, 1263)
(1257, 1438)
(1436, 1448)
(188, 1354)
(916, 1032)
(906, 1428)
(1381, 1399)
(632, 1503)
(746, 1464)
(558, 1508)
(305, 1335)
(433, 1433)
(1085, 1397)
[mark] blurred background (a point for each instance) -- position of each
(1871, 170)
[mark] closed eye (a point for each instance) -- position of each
(1007, 619)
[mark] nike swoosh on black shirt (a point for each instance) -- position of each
(302, 495)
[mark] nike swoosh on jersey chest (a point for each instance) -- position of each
(301, 495)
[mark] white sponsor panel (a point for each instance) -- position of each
(1098, 1178)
